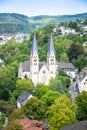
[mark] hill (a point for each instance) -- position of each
(13, 23)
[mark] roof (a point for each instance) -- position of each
(23, 97)
(82, 125)
(41, 64)
(25, 66)
(83, 74)
(32, 124)
(51, 45)
(64, 65)
(85, 42)
(34, 45)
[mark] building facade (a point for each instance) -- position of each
(41, 72)
(82, 80)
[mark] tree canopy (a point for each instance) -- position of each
(34, 108)
(81, 101)
(61, 113)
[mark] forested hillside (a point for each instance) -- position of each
(12, 53)
(13, 23)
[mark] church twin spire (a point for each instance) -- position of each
(35, 48)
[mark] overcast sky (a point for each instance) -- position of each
(43, 7)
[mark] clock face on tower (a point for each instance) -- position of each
(44, 78)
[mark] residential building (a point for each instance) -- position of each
(68, 68)
(22, 99)
(82, 80)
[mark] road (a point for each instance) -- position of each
(73, 90)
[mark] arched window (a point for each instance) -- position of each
(25, 76)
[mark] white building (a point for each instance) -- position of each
(82, 80)
(40, 72)
(68, 68)
(23, 98)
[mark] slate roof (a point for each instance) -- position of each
(23, 97)
(51, 45)
(34, 45)
(82, 125)
(41, 64)
(64, 65)
(26, 66)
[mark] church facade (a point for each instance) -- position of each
(41, 72)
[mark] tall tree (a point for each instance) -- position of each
(7, 78)
(81, 101)
(50, 97)
(74, 51)
(23, 85)
(34, 108)
(61, 113)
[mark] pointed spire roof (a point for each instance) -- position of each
(34, 45)
(51, 45)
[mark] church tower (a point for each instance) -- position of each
(51, 60)
(34, 61)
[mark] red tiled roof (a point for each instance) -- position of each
(31, 124)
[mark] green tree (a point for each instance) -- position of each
(61, 113)
(56, 85)
(40, 90)
(74, 51)
(64, 57)
(17, 114)
(23, 85)
(34, 108)
(62, 73)
(50, 97)
(81, 62)
(43, 91)
(7, 78)
(81, 101)
(6, 108)
(14, 125)
(2, 120)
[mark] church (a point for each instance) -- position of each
(42, 72)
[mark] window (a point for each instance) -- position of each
(25, 76)
(52, 59)
(35, 60)
(44, 71)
